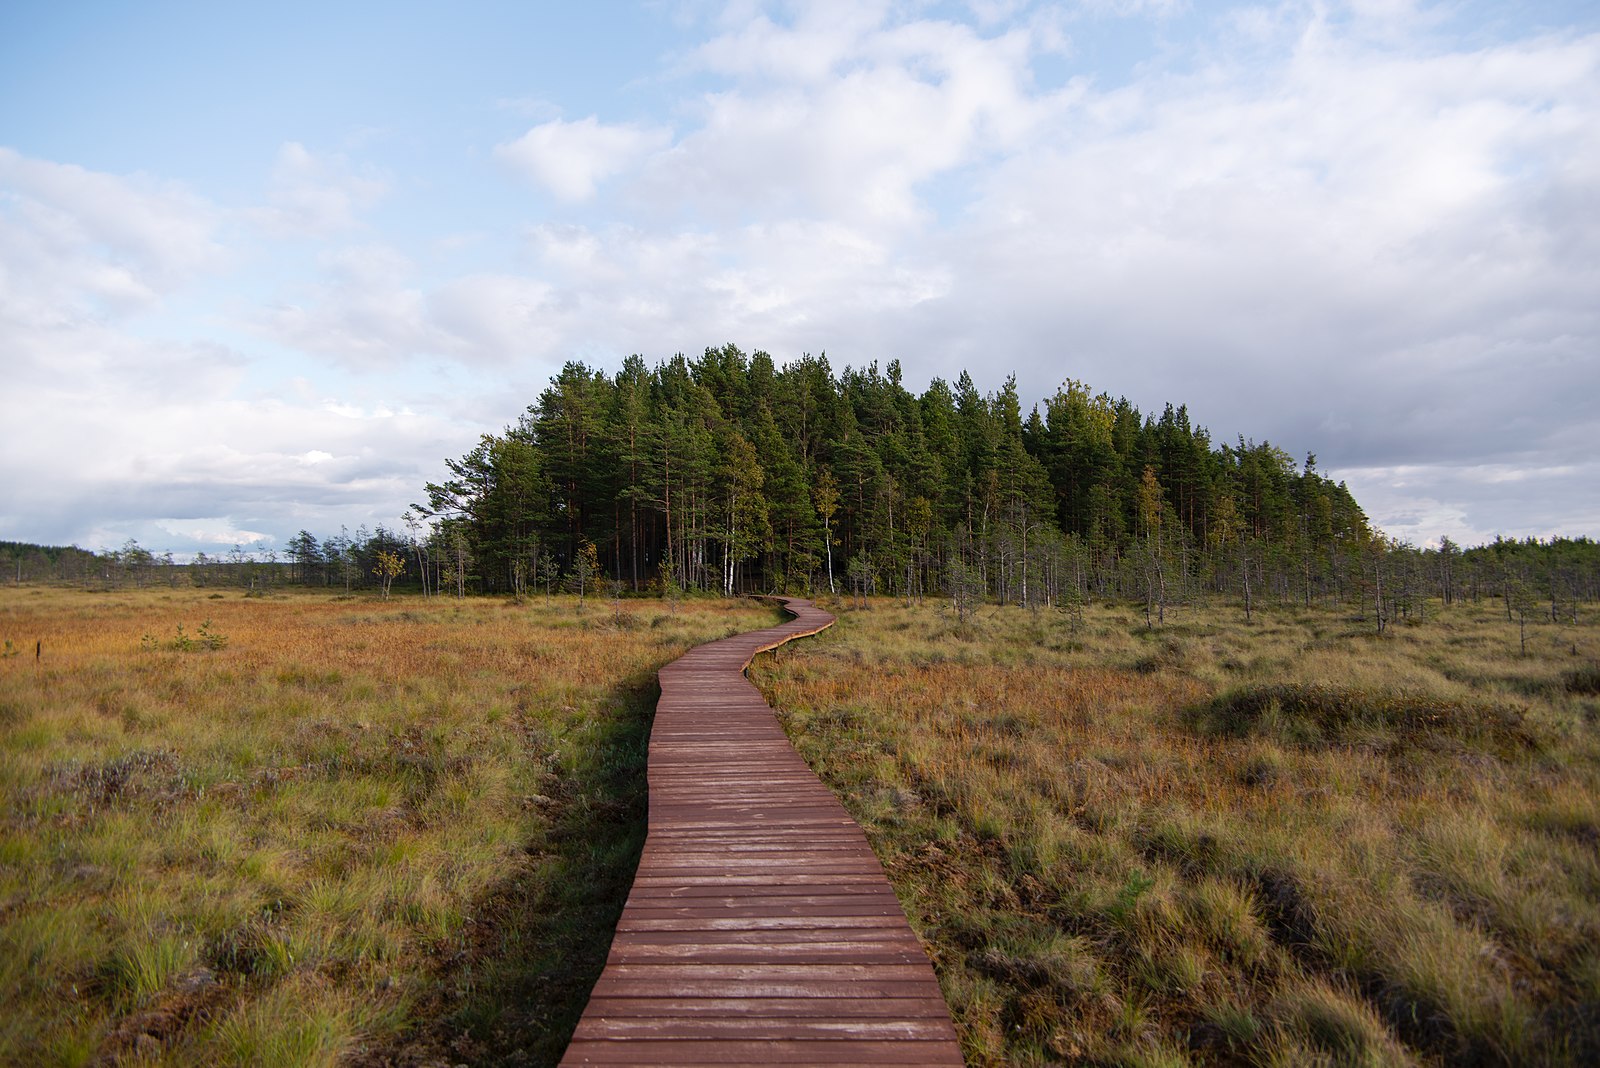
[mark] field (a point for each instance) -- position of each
(307, 830)
(1289, 843)
(313, 829)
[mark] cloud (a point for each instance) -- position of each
(203, 531)
(571, 159)
(79, 244)
(790, 285)
(1364, 241)
(186, 463)
(843, 115)
(495, 317)
(369, 309)
(1467, 502)
(813, 49)
(607, 291)
(112, 431)
(1346, 233)
(1132, 8)
(316, 195)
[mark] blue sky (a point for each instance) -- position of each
(264, 268)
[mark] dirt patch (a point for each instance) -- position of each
(193, 998)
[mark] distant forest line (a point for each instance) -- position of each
(730, 474)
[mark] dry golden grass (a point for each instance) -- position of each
(308, 829)
(1284, 843)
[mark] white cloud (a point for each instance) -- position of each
(370, 310)
(201, 530)
(316, 195)
(365, 310)
(1350, 236)
(822, 39)
(76, 243)
(614, 290)
(843, 115)
(1357, 232)
(1472, 503)
(571, 159)
(496, 317)
(1379, 255)
(1132, 8)
(139, 449)
(788, 286)
(105, 428)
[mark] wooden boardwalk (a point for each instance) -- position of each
(761, 928)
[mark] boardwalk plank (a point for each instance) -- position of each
(760, 929)
(741, 1027)
(760, 1008)
(832, 1052)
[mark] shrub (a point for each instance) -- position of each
(1330, 715)
(1584, 680)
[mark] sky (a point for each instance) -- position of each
(264, 267)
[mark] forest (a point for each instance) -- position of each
(730, 474)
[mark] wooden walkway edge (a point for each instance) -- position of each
(760, 929)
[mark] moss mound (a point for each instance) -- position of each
(1584, 680)
(1310, 715)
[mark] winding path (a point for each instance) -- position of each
(761, 928)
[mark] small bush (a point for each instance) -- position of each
(1584, 680)
(1330, 715)
(185, 642)
(136, 774)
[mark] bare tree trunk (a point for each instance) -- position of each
(827, 537)
(1244, 572)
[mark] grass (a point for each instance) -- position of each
(322, 830)
(301, 830)
(1280, 843)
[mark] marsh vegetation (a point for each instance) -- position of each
(1289, 842)
(302, 830)
(316, 829)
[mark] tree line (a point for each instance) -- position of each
(730, 473)
(352, 561)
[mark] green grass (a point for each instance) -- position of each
(1279, 843)
(339, 831)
